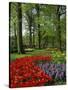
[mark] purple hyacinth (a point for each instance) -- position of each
(56, 71)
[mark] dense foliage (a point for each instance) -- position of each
(41, 26)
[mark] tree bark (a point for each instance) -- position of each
(15, 35)
(9, 25)
(39, 34)
(29, 15)
(58, 27)
(19, 31)
(30, 30)
(34, 35)
(53, 38)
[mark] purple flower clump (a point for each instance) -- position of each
(56, 71)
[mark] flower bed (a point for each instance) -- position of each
(24, 72)
(56, 71)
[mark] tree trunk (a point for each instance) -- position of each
(39, 37)
(19, 31)
(46, 41)
(53, 38)
(15, 35)
(29, 14)
(9, 24)
(30, 30)
(58, 27)
(39, 34)
(33, 38)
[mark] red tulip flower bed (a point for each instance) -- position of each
(25, 73)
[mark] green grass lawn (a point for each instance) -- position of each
(13, 56)
(58, 56)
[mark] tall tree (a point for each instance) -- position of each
(19, 31)
(15, 35)
(29, 14)
(34, 35)
(60, 12)
(39, 34)
(58, 26)
(9, 22)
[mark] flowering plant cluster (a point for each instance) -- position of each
(24, 72)
(52, 49)
(56, 71)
